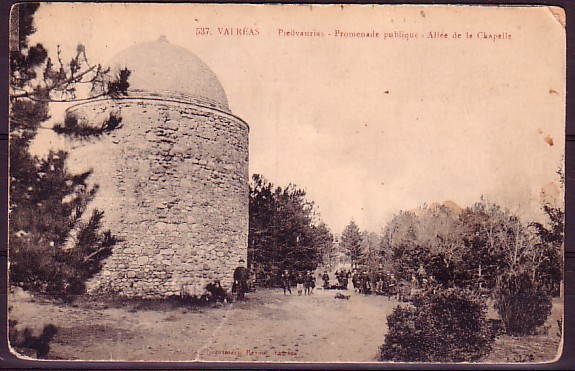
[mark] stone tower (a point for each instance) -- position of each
(173, 178)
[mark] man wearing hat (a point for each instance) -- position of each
(241, 277)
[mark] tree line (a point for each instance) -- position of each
(468, 247)
(285, 232)
(470, 256)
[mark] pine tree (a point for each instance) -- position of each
(283, 232)
(351, 243)
(53, 248)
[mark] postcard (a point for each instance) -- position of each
(286, 183)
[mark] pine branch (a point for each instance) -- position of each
(97, 252)
(71, 79)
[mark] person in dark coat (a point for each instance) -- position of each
(338, 278)
(391, 286)
(365, 284)
(309, 283)
(286, 282)
(379, 280)
(325, 279)
(300, 279)
(216, 291)
(241, 276)
(355, 280)
(312, 281)
(345, 279)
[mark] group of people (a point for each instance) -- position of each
(305, 282)
(342, 278)
(215, 292)
(387, 284)
(379, 282)
(360, 280)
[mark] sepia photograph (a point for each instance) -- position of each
(286, 183)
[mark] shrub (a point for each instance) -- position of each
(24, 342)
(522, 304)
(44, 268)
(446, 326)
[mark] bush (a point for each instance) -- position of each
(44, 268)
(24, 342)
(447, 326)
(522, 304)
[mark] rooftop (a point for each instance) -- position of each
(160, 66)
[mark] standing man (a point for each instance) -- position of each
(365, 283)
(379, 277)
(355, 280)
(325, 279)
(309, 283)
(392, 287)
(286, 281)
(241, 276)
(300, 279)
(311, 277)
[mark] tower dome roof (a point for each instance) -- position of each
(163, 67)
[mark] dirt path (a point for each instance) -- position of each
(311, 328)
(267, 327)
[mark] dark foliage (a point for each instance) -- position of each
(112, 123)
(553, 233)
(472, 247)
(549, 271)
(408, 257)
(42, 262)
(54, 248)
(72, 127)
(446, 326)
(522, 304)
(25, 22)
(25, 342)
(119, 86)
(282, 232)
(351, 243)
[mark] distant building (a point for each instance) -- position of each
(340, 258)
(173, 179)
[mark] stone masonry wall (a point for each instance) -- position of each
(173, 183)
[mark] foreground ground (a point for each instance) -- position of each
(267, 327)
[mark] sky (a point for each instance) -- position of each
(367, 126)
